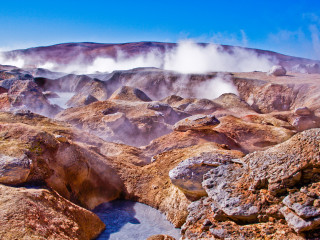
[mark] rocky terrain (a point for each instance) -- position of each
(244, 164)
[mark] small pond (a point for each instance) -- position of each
(132, 220)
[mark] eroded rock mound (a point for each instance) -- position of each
(35, 213)
(25, 94)
(128, 117)
(34, 152)
(266, 186)
(130, 94)
(196, 122)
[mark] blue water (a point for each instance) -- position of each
(127, 220)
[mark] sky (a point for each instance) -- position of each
(289, 27)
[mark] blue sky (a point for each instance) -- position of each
(290, 27)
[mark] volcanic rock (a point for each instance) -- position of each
(252, 136)
(130, 94)
(36, 213)
(3, 90)
(151, 183)
(302, 123)
(253, 189)
(188, 175)
(140, 124)
(277, 70)
(49, 94)
(160, 237)
(71, 167)
(266, 94)
(26, 94)
(14, 170)
(189, 138)
(196, 122)
(302, 111)
(231, 104)
(81, 100)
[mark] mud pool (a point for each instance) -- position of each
(132, 220)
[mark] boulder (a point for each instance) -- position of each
(277, 70)
(301, 123)
(198, 121)
(302, 111)
(201, 106)
(14, 170)
(159, 106)
(188, 174)
(297, 223)
(37, 213)
(160, 237)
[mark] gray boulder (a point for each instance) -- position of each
(277, 70)
(188, 175)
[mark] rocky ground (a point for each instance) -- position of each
(242, 165)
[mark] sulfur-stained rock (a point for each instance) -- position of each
(253, 136)
(160, 237)
(71, 167)
(130, 94)
(302, 111)
(222, 188)
(25, 94)
(14, 170)
(196, 122)
(36, 213)
(297, 223)
(188, 174)
(200, 213)
(128, 122)
(81, 100)
(302, 204)
(302, 123)
(252, 189)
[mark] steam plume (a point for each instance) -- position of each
(187, 57)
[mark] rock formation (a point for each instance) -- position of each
(37, 213)
(242, 165)
(277, 70)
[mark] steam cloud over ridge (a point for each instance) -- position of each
(187, 57)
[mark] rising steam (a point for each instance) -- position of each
(213, 88)
(187, 57)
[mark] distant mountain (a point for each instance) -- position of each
(86, 52)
